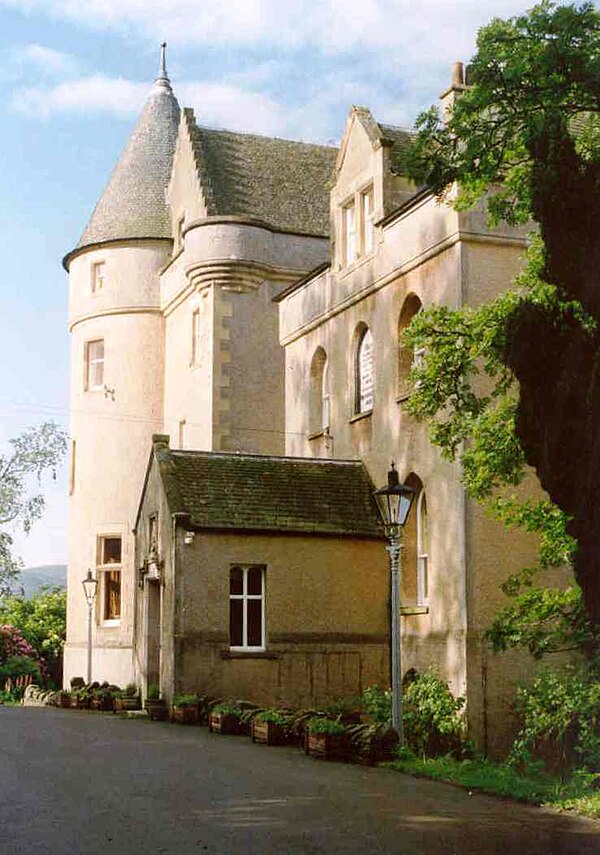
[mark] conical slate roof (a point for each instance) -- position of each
(133, 204)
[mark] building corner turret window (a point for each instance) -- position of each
(109, 574)
(94, 365)
(98, 276)
(196, 337)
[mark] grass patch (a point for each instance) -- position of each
(576, 795)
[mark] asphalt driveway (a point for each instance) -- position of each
(76, 782)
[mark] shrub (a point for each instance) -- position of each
(560, 707)
(432, 719)
(378, 704)
(153, 692)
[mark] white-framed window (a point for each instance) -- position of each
(98, 276)
(422, 551)
(325, 396)
(196, 336)
(367, 231)
(109, 574)
(247, 607)
(94, 365)
(364, 373)
(358, 232)
(350, 242)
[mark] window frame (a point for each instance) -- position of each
(363, 230)
(422, 550)
(360, 407)
(91, 363)
(245, 597)
(103, 570)
(98, 276)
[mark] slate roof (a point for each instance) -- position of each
(266, 493)
(399, 141)
(133, 204)
(281, 182)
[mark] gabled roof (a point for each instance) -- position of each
(133, 204)
(395, 138)
(248, 492)
(281, 182)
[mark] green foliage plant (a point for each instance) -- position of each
(523, 142)
(325, 726)
(272, 716)
(228, 708)
(377, 703)
(153, 692)
(560, 710)
(185, 700)
(32, 453)
(432, 717)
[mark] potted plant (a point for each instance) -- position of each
(270, 727)
(184, 709)
(226, 718)
(126, 699)
(154, 705)
(325, 738)
(65, 699)
(82, 698)
(101, 699)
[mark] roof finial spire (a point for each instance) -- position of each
(162, 71)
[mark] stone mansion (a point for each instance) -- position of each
(238, 388)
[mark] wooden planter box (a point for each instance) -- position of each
(126, 704)
(185, 714)
(268, 733)
(102, 704)
(328, 746)
(156, 709)
(379, 749)
(65, 700)
(224, 723)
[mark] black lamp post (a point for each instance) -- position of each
(395, 501)
(90, 586)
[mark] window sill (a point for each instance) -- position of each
(109, 624)
(347, 269)
(248, 654)
(359, 416)
(414, 610)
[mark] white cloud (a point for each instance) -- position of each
(84, 95)
(44, 59)
(423, 30)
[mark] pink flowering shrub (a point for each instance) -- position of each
(13, 644)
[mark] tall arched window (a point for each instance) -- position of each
(407, 357)
(415, 558)
(364, 372)
(319, 392)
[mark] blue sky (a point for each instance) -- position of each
(75, 76)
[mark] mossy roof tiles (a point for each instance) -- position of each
(133, 204)
(264, 493)
(284, 183)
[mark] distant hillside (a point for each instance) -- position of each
(32, 578)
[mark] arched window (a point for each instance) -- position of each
(319, 392)
(363, 372)
(407, 357)
(415, 557)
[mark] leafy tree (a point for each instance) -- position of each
(41, 620)
(32, 453)
(525, 134)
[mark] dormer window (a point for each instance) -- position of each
(358, 236)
